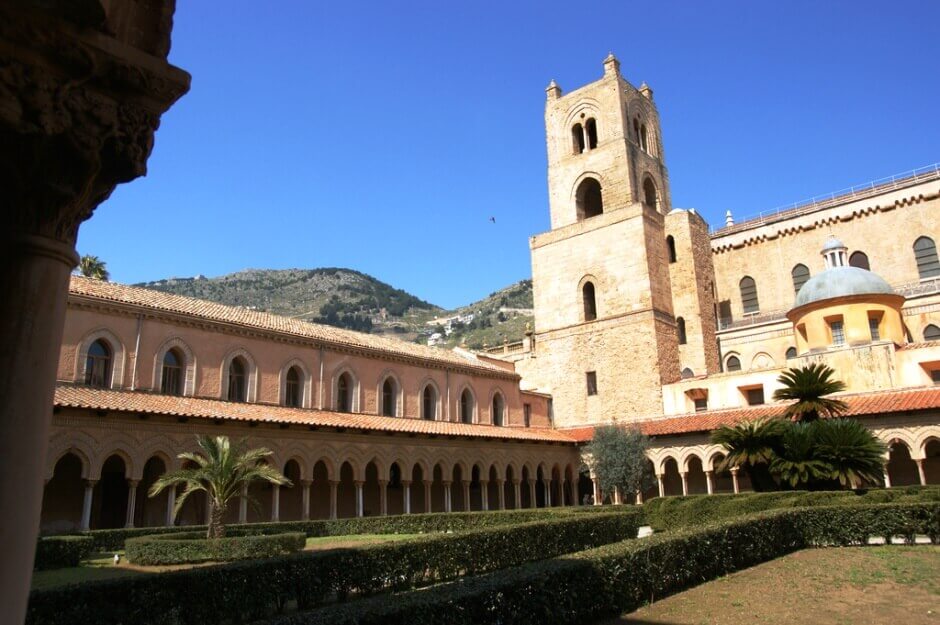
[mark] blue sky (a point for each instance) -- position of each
(383, 136)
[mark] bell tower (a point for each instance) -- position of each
(605, 332)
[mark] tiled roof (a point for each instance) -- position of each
(860, 405)
(71, 396)
(211, 311)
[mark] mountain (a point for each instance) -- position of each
(354, 300)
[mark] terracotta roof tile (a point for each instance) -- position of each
(860, 405)
(71, 396)
(211, 311)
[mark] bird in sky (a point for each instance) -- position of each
(492, 220)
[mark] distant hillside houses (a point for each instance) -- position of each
(448, 323)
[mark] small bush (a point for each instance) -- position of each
(194, 547)
(56, 552)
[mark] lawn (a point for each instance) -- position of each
(101, 566)
(856, 585)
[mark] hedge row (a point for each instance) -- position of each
(55, 552)
(667, 513)
(619, 578)
(114, 539)
(193, 547)
(243, 591)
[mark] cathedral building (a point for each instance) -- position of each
(644, 315)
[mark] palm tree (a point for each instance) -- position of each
(93, 267)
(794, 462)
(751, 445)
(222, 470)
(808, 386)
(850, 451)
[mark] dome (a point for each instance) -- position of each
(841, 282)
(833, 243)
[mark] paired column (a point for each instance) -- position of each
(406, 496)
(86, 503)
(334, 487)
(131, 502)
(517, 491)
(305, 499)
(685, 482)
(639, 498)
(276, 503)
(660, 483)
(734, 480)
(358, 484)
(466, 495)
(921, 472)
(501, 493)
(484, 495)
(383, 497)
(170, 504)
(709, 485)
(446, 496)
(547, 488)
(427, 495)
(532, 499)
(598, 495)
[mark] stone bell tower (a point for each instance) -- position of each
(605, 335)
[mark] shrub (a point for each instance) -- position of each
(55, 552)
(193, 547)
(607, 581)
(251, 590)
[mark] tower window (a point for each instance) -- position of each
(749, 300)
(636, 130)
(577, 138)
(932, 333)
(591, 378)
(649, 194)
(860, 260)
(588, 199)
(590, 303)
(874, 326)
(925, 253)
(733, 364)
(644, 139)
(680, 330)
(800, 274)
(591, 127)
(671, 248)
(98, 365)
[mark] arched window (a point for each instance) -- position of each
(293, 390)
(671, 248)
(925, 253)
(680, 330)
(498, 409)
(577, 138)
(429, 403)
(791, 353)
(171, 379)
(644, 139)
(466, 406)
(800, 274)
(591, 127)
(98, 364)
(650, 199)
(344, 391)
(932, 333)
(733, 364)
(860, 260)
(749, 295)
(388, 398)
(636, 130)
(687, 373)
(590, 303)
(238, 380)
(588, 199)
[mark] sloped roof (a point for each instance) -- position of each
(860, 405)
(221, 313)
(73, 396)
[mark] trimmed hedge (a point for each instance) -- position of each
(194, 547)
(242, 591)
(114, 539)
(608, 581)
(56, 552)
(667, 513)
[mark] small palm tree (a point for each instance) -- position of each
(93, 267)
(851, 453)
(751, 445)
(794, 462)
(808, 386)
(221, 471)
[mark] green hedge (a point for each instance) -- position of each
(242, 591)
(114, 539)
(666, 513)
(55, 552)
(193, 547)
(604, 582)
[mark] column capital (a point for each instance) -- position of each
(383, 482)
(427, 482)
(734, 470)
(446, 482)
(359, 483)
(483, 483)
(405, 482)
(133, 483)
(306, 483)
(709, 472)
(90, 483)
(333, 483)
(516, 481)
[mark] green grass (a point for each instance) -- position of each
(328, 542)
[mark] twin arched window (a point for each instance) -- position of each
(641, 135)
(171, 378)
(749, 300)
(466, 406)
(584, 136)
(800, 274)
(499, 407)
(589, 300)
(98, 364)
(925, 253)
(429, 403)
(238, 380)
(588, 199)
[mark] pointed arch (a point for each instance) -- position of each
(389, 396)
(345, 390)
(295, 384)
(229, 387)
(114, 373)
(468, 405)
(430, 400)
(188, 366)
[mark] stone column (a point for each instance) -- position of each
(170, 504)
(334, 488)
(532, 499)
(466, 495)
(383, 497)
(86, 503)
(427, 496)
(734, 480)
(921, 472)
(501, 493)
(685, 482)
(446, 496)
(598, 495)
(305, 499)
(661, 484)
(275, 503)
(547, 487)
(358, 484)
(243, 505)
(887, 478)
(639, 498)
(485, 495)
(81, 93)
(709, 485)
(131, 502)
(406, 496)
(618, 498)
(517, 493)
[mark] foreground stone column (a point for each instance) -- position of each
(517, 493)
(406, 496)
(618, 498)
(501, 494)
(86, 504)
(131, 502)
(383, 497)
(921, 472)
(598, 495)
(305, 499)
(358, 484)
(734, 480)
(334, 487)
(547, 488)
(170, 505)
(662, 486)
(447, 496)
(243, 504)
(685, 482)
(275, 503)
(709, 485)
(533, 500)
(639, 498)
(485, 495)
(427, 495)
(466, 495)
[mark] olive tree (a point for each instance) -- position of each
(617, 458)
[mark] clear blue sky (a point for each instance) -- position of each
(383, 136)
